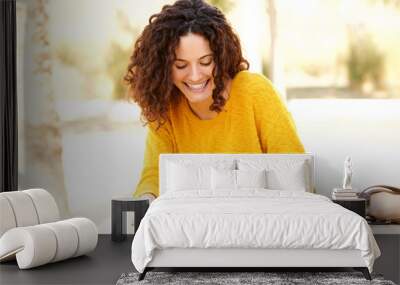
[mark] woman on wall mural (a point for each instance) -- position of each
(189, 77)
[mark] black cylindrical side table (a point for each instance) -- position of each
(119, 205)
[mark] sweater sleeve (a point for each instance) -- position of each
(276, 128)
(158, 141)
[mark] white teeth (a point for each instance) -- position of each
(197, 86)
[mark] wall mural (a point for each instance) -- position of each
(80, 138)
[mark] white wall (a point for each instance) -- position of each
(367, 130)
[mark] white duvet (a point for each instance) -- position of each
(251, 218)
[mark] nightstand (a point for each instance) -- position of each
(388, 238)
(119, 207)
(357, 205)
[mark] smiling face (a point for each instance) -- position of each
(193, 67)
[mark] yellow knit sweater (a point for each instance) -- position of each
(254, 120)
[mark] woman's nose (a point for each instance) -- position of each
(194, 74)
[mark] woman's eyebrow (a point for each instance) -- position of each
(178, 59)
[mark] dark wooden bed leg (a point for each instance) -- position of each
(143, 274)
(364, 271)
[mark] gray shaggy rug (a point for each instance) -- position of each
(242, 278)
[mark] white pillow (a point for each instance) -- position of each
(184, 177)
(288, 179)
(282, 174)
(223, 179)
(251, 178)
(186, 173)
(236, 179)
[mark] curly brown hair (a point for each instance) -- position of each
(149, 74)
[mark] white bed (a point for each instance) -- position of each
(201, 221)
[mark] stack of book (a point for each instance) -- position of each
(344, 194)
